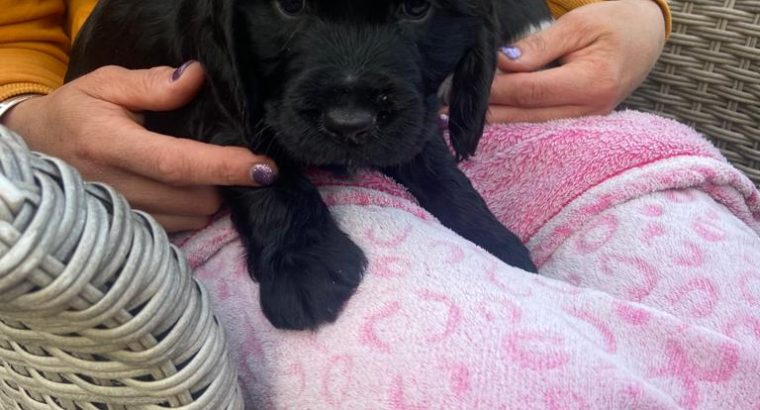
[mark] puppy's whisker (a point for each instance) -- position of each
(286, 43)
(262, 127)
(258, 129)
(270, 142)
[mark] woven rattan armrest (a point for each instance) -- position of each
(97, 308)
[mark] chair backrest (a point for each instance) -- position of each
(709, 77)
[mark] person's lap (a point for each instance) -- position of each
(439, 323)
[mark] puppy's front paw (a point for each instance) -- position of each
(517, 255)
(506, 246)
(307, 284)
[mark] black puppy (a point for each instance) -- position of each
(346, 83)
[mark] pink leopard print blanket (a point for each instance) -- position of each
(649, 294)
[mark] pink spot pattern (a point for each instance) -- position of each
(369, 333)
(496, 278)
(391, 266)
(455, 252)
(297, 376)
(454, 317)
(708, 230)
(399, 396)
(337, 379)
(492, 310)
(609, 343)
(534, 350)
(653, 230)
(643, 278)
(597, 234)
(653, 210)
(747, 323)
(689, 371)
(680, 196)
(749, 283)
(562, 399)
(702, 294)
(692, 255)
(460, 380)
(386, 240)
(632, 315)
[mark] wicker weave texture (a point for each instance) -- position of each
(709, 76)
(97, 308)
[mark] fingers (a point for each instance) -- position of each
(156, 198)
(166, 159)
(155, 89)
(550, 87)
(585, 81)
(564, 92)
(175, 208)
(540, 49)
(500, 113)
(173, 223)
(184, 162)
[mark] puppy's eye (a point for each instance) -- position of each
(291, 7)
(414, 9)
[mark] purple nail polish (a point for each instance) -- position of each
(512, 52)
(443, 121)
(181, 70)
(263, 174)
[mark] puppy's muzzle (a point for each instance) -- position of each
(355, 107)
(352, 125)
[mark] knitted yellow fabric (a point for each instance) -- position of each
(35, 38)
(560, 7)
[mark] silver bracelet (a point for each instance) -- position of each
(6, 105)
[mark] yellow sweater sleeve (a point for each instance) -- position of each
(33, 46)
(560, 7)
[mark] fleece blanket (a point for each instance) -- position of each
(648, 296)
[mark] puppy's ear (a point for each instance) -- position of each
(471, 86)
(213, 38)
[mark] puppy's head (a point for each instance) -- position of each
(354, 82)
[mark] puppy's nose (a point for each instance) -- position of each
(353, 124)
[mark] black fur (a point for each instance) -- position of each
(347, 83)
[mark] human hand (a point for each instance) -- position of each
(94, 124)
(605, 50)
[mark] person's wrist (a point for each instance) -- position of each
(9, 109)
(20, 117)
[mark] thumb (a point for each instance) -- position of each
(540, 49)
(155, 89)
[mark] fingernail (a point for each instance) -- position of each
(181, 69)
(443, 121)
(263, 174)
(512, 52)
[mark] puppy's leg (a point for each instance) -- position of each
(441, 188)
(306, 266)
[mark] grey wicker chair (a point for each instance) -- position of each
(112, 336)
